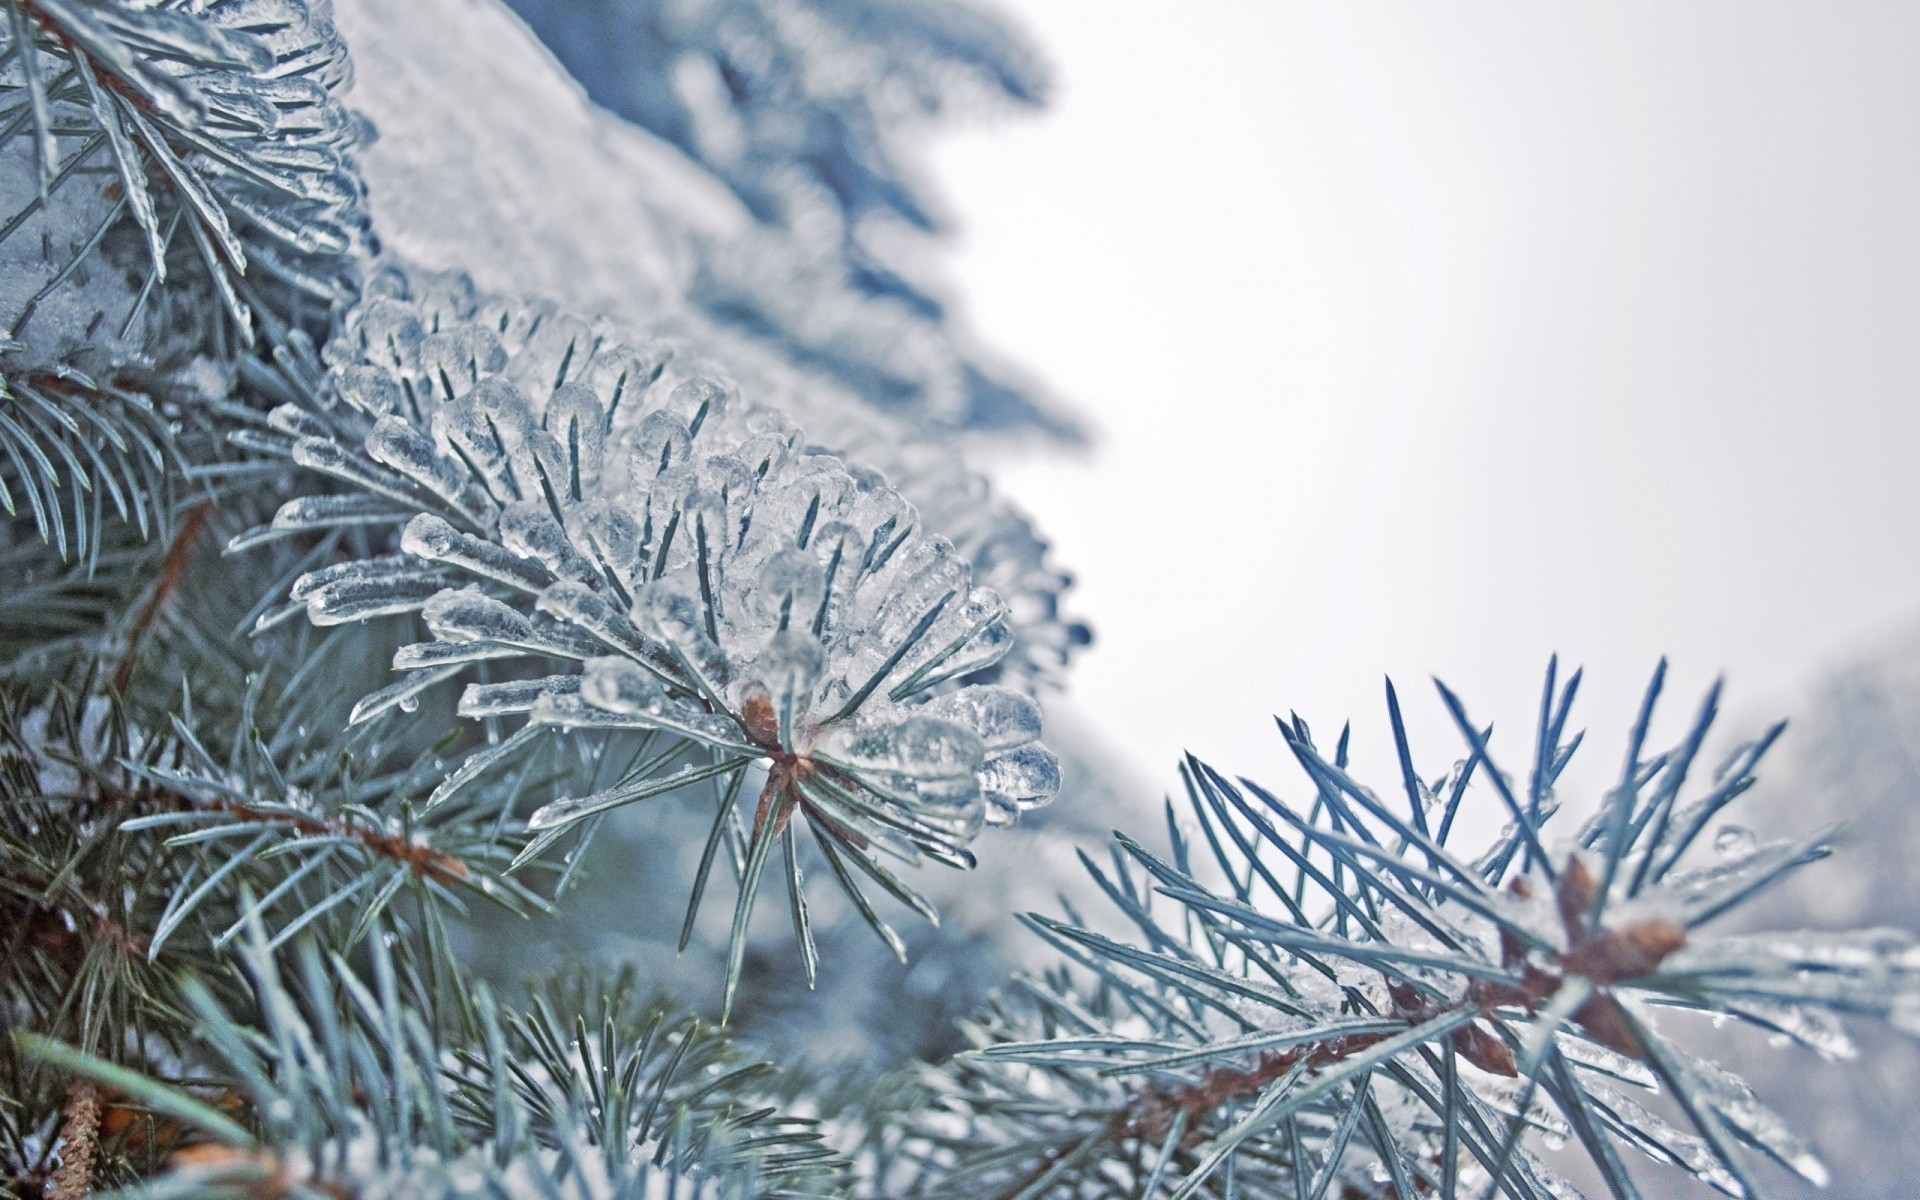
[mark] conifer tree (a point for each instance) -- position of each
(355, 620)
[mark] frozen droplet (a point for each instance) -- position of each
(620, 373)
(674, 609)
(369, 388)
(789, 668)
(389, 334)
(387, 281)
(514, 696)
(1734, 841)
(355, 591)
(456, 359)
(444, 296)
(609, 533)
(585, 609)
(578, 423)
(616, 694)
(764, 454)
(919, 746)
(660, 443)
(295, 421)
(698, 401)
(470, 615)
(969, 638)
(555, 352)
(345, 508)
(620, 685)
(1000, 716)
(1028, 776)
(791, 585)
(486, 426)
(394, 443)
(529, 530)
(433, 538)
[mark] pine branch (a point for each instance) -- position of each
(1385, 1008)
(208, 139)
(729, 596)
(356, 1087)
(172, 173)
(173, 569)
(78, 449)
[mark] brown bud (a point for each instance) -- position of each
(762, 725)
(1484, 1050)
(1573, 896)
(1629, 953)
(1606, 1022)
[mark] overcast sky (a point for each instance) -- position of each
(1434, 338)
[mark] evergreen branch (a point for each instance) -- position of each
(173, 569)
(356, 1089)
(1384, 975)
(720, 585)
(230, 162)
(76, 449)
(805, 112)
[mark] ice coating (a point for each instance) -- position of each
(206, 144)
(580, 497)
(1551, 977)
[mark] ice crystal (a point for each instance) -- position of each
(1352, 961)
(152, 139)
(565, 496)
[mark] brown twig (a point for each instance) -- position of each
(782, 796)
(173, 572)
(424, 860)
(79, 1143)
(1601, 955)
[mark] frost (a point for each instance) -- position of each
(268, 188)
(721, 579)
(1700, 894)
(1736, 1104)
(1584, 1053)
(1734, 841)
(1873, 972)
(1660, 1141)
(1815, 1028)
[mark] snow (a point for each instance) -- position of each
(491, 160)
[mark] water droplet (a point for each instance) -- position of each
(1734, 841)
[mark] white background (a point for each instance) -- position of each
(1433, 338)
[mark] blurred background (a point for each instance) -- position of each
(1436, 338)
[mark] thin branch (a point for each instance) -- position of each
(173, 572)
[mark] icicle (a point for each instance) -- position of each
(430, 537)
(1001, 717)
(1018, 780)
